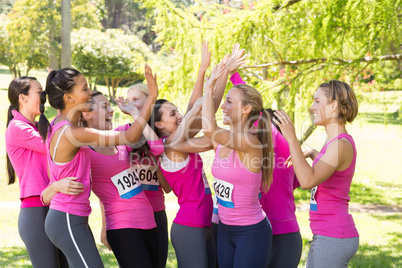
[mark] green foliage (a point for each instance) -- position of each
(112, 55)
(334, 30)
(24, 35)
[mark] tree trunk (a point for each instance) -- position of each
(53, 61)
(65, 34)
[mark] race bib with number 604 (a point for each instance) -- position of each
(148, 177)
(223, 193)
(127, 183)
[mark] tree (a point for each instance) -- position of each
(31, 32)
(65, 34)
(276, 33)
(112, 55)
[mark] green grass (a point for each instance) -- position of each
(377, 181)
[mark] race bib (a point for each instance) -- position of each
(127, 183)
(223, 193)
(313, 201)
(206, 184)
(148, 177)
(215, 200)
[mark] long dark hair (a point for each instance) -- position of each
(58, 83)
(20, 85)
(141, 147)
(156, 116)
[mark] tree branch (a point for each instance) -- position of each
(397, 57)
(279, 7)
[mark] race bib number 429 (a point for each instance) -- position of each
(127, 183)
(223, 193)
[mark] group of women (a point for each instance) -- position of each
(258, 163)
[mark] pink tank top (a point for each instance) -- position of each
(80, 167)
(151, 187)
(193, 193)
(27, 153)
(126, 205)
(278, 203)
(237, 190)
(329, 202)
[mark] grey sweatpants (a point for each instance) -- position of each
(195, 247)
(41, 251)
(330, 252)
(72, 235)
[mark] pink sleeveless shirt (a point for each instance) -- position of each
(194, 196)
(329, 202)
(80, 167)
(237, 190)
(27, 153)
(279, 202)
(129, 210)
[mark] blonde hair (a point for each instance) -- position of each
(346, 98)
(252, 97)
(141, 87)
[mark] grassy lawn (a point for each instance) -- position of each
(378, 181)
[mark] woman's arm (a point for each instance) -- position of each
(103, 237)
(163, 182)
(80, 136)
(308, 176)
(66, 186)
(198, 87)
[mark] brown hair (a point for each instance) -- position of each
(346, 98)
(252, 97)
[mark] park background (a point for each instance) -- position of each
(292, 46)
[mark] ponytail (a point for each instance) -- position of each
(264, 135)
(44, 126)
(10, 168)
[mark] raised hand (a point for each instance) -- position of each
(236, 59)
(151, 82)
(205, 57)
(286, 125)
(127, 106)
(217, 72)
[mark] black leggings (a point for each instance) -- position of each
(134, 247)
(286, 250)
(162, 227)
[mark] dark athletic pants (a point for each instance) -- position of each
(31, 227)
(286, 250)
(244, 246)
(71, 234)
(162, 228)
(134, 247)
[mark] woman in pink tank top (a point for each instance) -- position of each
(134, 240)
(336, 238)
(26, 158)
(278, 203)
(67, 221)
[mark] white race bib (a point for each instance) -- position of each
(313, 201)
(206, 184)
(223, 193)
(127, 183)
(148, 177)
